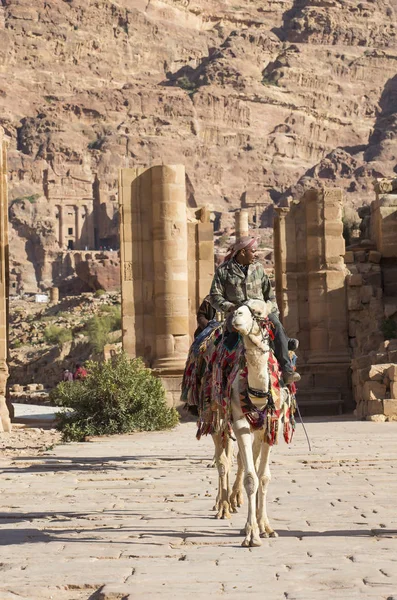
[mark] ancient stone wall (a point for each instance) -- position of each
(166, 268)
(372, 306)
(5, 423)
(311, 294)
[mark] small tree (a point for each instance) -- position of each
(100, 326)
(57, 335)
(116, 397)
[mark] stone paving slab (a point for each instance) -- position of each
(126, 517)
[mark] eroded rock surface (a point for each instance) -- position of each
(253, 99)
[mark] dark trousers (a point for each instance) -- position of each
(280, 343)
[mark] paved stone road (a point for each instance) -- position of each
(130, 517)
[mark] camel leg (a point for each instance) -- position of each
(264, 476)
(243, 435)
(222, 457)
(236, 497)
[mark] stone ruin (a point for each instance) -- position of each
(167, 258)
(5, 422)
(372, 308)
(340, 303)
(310, 287)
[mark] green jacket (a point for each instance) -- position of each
(231, 286)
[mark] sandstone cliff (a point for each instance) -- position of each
(257, 99)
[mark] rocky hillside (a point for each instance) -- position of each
(257, 99)
(46, 339)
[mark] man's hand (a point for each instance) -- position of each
(231, 309)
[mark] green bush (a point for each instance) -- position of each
(116, 397)
(389, 329)
(54, 334)
(99, 293)
(100, 326)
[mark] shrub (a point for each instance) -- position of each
(186, 84)
(99, 293)
(54, 334)
(389, 329)
(116, 397)
(100, 326)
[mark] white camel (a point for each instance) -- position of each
(254, 449)
(198, 390)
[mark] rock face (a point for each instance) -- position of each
(257, 100)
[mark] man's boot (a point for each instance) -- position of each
(291, 377)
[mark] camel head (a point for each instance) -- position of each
(244, 316)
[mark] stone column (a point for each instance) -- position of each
(5, 421)
(310, 286)
(54, 295)
(241, 224)
(77, 228)
(170, 266)
(61, 240)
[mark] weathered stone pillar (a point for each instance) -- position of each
(384, 219)
(5, 421)
(54, 295)
(61, 240)
(77, 227)
(241, 224)
(170, 266)
(310, 287)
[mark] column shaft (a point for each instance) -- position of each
(170, 266)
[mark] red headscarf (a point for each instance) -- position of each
(245, 242)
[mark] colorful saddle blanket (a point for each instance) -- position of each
(212, 368)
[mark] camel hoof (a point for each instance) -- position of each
(245, 544)
(223, 513)
(255, 542)
(273, 534)
(264, 534)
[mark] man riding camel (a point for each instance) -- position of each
(240, 278)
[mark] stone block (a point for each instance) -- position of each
(375, 407)
(377, 372)
(354, 280)
(349, 257)
(364, 267)
(374, 390)
(362, 375)
(31, 387)
(361, 410)
(392, 356)
(378, 357)
(390, 407)
(392, 345)
(374, 256)
(390, 308)
(360, 256)
(377, 418)
(366, 294)
(352, 328)
(362, 362)
(392, 373)
(353, 299)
